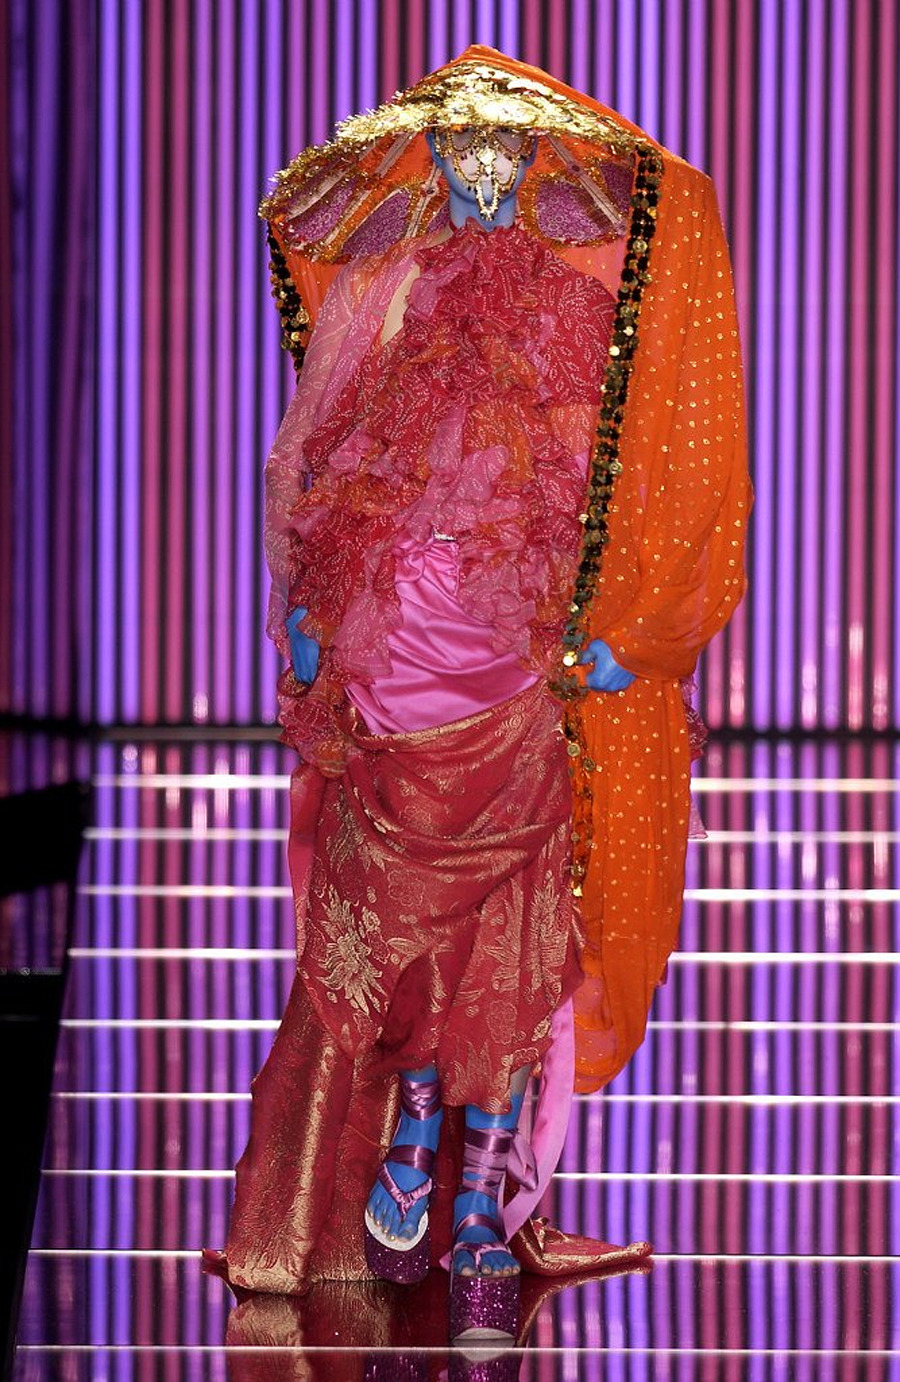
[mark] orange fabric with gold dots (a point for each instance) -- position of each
(673, 574)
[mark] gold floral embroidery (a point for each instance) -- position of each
(547, 902)
(347, 840)
(347, 960)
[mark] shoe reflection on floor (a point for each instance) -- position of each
(373, 1331)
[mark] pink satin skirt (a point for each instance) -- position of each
(443, 666)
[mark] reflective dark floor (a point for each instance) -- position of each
(754, 1139)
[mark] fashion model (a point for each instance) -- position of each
(506, 510)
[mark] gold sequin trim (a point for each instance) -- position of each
(294, 316)
(604, 469)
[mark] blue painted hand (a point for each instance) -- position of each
(304, 650)
(606, 674)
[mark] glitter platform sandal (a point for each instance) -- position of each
(397, 1259)
(483, 1306)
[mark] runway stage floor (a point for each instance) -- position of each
(754, 1139)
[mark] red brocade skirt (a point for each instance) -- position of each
(435, 921)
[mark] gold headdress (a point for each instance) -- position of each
(375, 183)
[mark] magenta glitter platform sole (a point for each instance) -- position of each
(393, 1264)
(482, 1306)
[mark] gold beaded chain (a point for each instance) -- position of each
(605, 467)
(486, 145)
(294, 316)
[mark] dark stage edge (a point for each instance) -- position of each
(754, 1139)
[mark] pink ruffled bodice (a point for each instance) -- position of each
(473, 421)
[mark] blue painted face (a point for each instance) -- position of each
(484, 169)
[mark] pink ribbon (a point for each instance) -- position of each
(534, 1158)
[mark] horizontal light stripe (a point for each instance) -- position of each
(278, 1352)
(175, 953)
(592, 1177)
(181, 890)
(792, 894)
(725, 1177)
(756, 837)
(789, 837)
(225, 782)
(207, 1024)
(162, 1096)
(804, 785)
(259, 781)
(832, 1261)
(258, 1024)
(678, 957)
(749, 1100)
(140, 1253)
(183, 833)
(690, 894)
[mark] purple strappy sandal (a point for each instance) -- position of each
(483, 1306)
(405, 1260)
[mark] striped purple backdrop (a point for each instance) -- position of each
(140, 353)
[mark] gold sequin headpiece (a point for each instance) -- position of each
(375, 183)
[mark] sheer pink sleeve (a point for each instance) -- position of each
(286, 473)
(358, 298)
